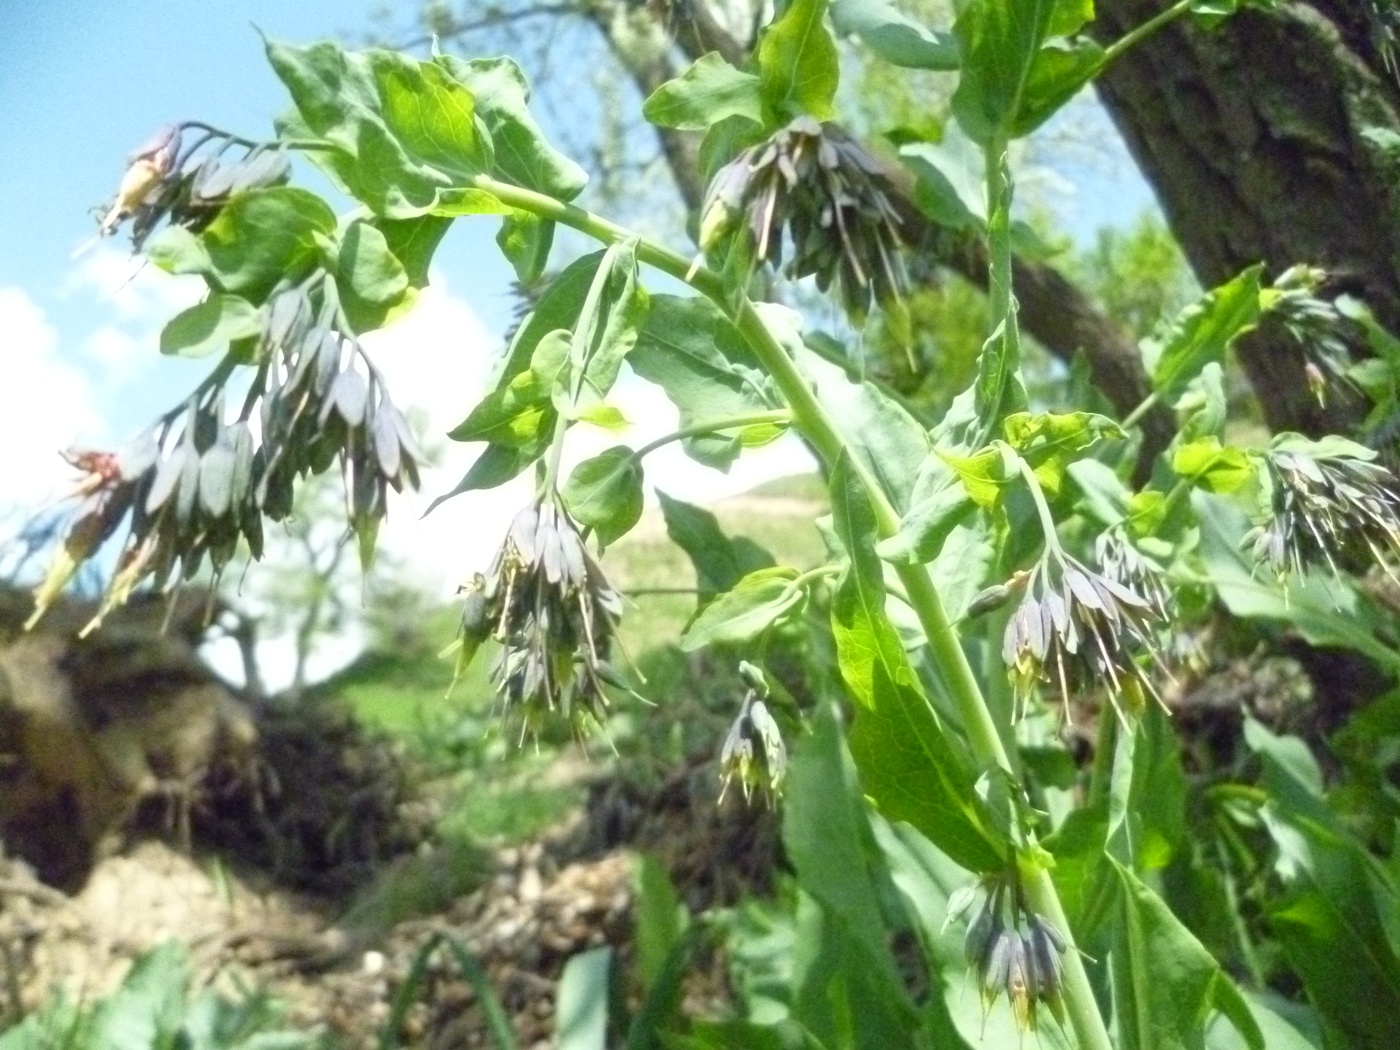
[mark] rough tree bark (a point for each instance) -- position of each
(1251, 134)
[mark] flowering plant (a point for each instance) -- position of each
(998, 576)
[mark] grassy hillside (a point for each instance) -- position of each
(496, 790)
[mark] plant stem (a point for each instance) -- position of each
(1136, 35)
(556, 456)
(826, 439)
(1042, 509)
(777, 417)
(1144, 406)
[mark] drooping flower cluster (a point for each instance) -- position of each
(546, 600)
(169, 179)
(1325, 335)
(753, 751)
(197, 483)
(1082, 630)
(1124, 563)
(1014, 950)
(821, 187)
(1324, 500)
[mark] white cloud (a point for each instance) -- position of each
(139, 298)
(46, 405)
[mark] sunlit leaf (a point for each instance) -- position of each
(605, 493)
(706, 93)
(906, 763)
(755, 604)
(798, 63)
(695, 354)
(210, 326)
(1202, 333)
(894, 36)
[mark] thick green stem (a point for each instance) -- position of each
(826, 439)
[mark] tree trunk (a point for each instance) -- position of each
(1252, 135)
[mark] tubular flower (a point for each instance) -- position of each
(1013, 950)
(1122, 562)
(1082, 630)
(754, 751)
(819, 185)
(196, 484)
(1325, 499)
(164, 180)
(546, 601)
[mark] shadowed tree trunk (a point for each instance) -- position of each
(1252, 135)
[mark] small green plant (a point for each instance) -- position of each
(157, 1008)
(990, 576)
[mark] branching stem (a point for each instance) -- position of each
(826, 439)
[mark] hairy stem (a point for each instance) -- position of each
(826, 439)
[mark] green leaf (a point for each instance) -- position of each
(706, 93)
(558, 308)
(1332, 929)
(998, 390)
(148, 1008)
(514, 416)
(983, 476)
(369, 277)
(211, 325)
(928, 523)
(525, 240)
(828, 838)
(413, 242)
(601, 330)
(1060, 70)
(1147, 795)
(688, 347)
(753, 606)
(950, 179)
(881, 433)
(1215, 468)
(522, 155)
(999, 41)
(605, 493)
(606, 332)
(1050, 441)
(798, 63)
(661, 918)
(259, 238)
(581, 1010)
(405, 131)
(1279, 1032)
(1291, 774)
(894, 36)
(720, 562)
(1165, 983)
(1201, 334)
(1324, 610)
(907, 765)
